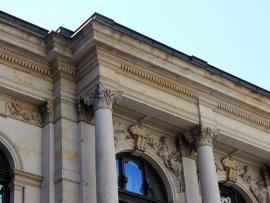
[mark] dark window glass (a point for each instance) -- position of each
(229, 194)
(137, 181)
(4, 178)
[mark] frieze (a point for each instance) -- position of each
(255, 183)
(243, 115)
(25, 112)
(158, 81)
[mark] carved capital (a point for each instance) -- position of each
(203, 136)
(185, 147)
(47, 111)
(101, 97)
(140, 135)
(85, 114)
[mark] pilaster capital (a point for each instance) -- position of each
(203, 135)
(101, 97)
(47, 110)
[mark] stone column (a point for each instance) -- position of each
(203, 137)
(101, 100)
(47, 169)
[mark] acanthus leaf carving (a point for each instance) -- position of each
(101, 97)
(203, 135)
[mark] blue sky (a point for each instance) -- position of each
(231, 35)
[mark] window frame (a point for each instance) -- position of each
(131, 197)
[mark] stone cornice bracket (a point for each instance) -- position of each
(47, 111)
(140, 135)
(203, 135)
(101, 97)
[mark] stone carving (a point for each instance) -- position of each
(101, 97)
(140, 135)
(120, 132)
(172, 160)
(25, 112)
(256, 185)
(231, 167)
(185, 147)
(203, 136)
(47, 111)
(245, 173)
(258, 190)
(219, 166)
(85, 113)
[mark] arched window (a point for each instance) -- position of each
(138, 181)
(4, 178)
(230, 195)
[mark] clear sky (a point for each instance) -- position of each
(233, 35)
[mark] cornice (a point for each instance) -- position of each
(243, 115)
(157, 80)
(8, 58)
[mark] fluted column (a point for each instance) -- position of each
(101, 100)
(203, 137)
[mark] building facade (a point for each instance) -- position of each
(104, 114)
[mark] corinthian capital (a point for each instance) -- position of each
(203, 136)
(101, 97)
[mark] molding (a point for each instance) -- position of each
(26, 178)
(243, 115)
(9, 58)
(157, 80)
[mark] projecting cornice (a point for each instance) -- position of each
(243, 115)
(157, 80)
(12, 60)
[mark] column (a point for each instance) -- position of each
(203, 137)
(47, 169)
(101, 100)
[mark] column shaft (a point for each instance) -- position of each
(207, 172)
(105, 158)
(208, 177)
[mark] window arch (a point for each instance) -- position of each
(138, 181)
(4, 178)
(230, 195)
